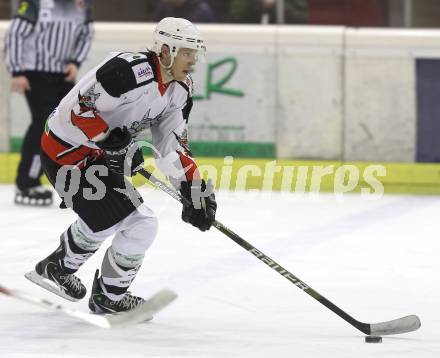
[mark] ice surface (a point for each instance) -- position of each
(376, 259)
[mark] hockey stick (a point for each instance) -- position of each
(400, 325)
(141, 313)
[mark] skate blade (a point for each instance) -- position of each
(47, 284)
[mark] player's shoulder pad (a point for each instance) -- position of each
(188, 84)
(125, 72)
(28, 10)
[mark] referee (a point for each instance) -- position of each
(45, 45)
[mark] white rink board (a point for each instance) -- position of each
(382, 122)
(378, 260)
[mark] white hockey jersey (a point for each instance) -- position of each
(125, 90)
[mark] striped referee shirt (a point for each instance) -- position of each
(45, 35)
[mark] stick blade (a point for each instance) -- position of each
(145, 311)
(95, 320)
(397, 326)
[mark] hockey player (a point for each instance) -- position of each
(92, 131)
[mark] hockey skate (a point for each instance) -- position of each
(35, 196)
(101, 304)
(51, 274)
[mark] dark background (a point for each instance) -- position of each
(373, 13)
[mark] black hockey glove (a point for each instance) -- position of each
(201, 212)
(121, 150)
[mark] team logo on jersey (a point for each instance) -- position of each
(144, 123)
(87, 100)
(182, 139)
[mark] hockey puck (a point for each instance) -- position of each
(373, 339)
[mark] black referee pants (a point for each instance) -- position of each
(47, 90)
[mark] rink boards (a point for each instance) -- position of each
(293, 92)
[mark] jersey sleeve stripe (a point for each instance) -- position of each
(63, 153)
(190, 167)
(90, 126)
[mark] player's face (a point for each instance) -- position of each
(183, 63)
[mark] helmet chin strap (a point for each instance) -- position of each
(167, 68)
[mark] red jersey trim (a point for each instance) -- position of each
(65, 154)
(190, 167)
(90, 126)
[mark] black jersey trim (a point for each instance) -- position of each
(187, 109)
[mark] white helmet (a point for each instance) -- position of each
(178, 33)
